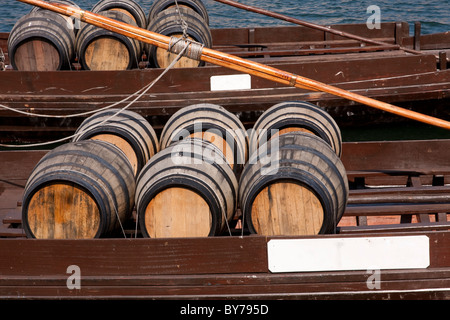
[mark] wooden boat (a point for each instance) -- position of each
(398, 189)
(398, 199)
(418, 82)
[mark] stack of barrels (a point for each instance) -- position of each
(86, 188)
(285, 175)
(45, 41)
(294, 182)
(190, 188)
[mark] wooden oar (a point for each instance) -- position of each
(233, 62)
(311, 25)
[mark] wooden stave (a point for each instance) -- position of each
(161, 5)
(303, 139)
(131, 6)
(167, 22)
(62, 38)
(211, 116)
(129, 125)
(89, 33)
(161, 173)
(333, 195)
(300, 114)
(108, 195)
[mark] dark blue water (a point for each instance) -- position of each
(433, 14)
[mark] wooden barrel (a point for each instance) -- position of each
(186, 190)
(294, 185)
(296, 116)
(168, 23)
(100, 49)
(78, 190)
(212, 123)
(128, 131)
(68, 2)
(41, 41)
(129, 7)
(161, 5)
(72, 23)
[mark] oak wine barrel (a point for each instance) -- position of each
(186, 190)
(128, 130)
(129, 7)
(296, 116)
(161, 5)
(168, 23)
(295, 184)
(72, 23)
(78, 190)
(42, 41)
(212, 123)
(100, 49)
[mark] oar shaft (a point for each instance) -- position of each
(233, 62)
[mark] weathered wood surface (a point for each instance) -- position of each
(390, 183)
(413, 84)
(295, 209)
(391, 76)
(232, 267)
(220, 267)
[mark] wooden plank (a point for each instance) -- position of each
(432, 282)
(402, 227)
(121, 257)
(9, 232)
(400, 195)
(178, 212)
(12, 169)
(11, 215)
(288, 209)
(393, 155)
(63, 211)
(418, 289)
(396, 209)
(135, 256)
(300, 52)
(72, 83)
(37, 55)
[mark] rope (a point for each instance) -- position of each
(184, 25)
(40, 115)
(145, 90)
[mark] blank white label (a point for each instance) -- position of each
(231, 82)
(334, 254)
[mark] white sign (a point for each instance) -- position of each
(333, 254)
(231, 82)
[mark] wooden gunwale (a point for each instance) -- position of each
(233, 267)
(175, 268)
(237, 63)
(391, 76)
